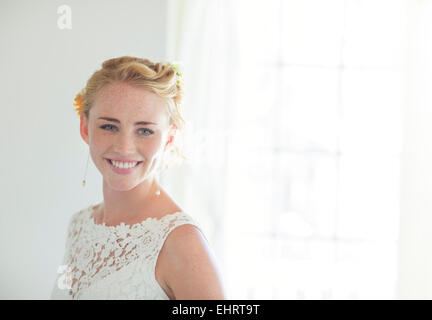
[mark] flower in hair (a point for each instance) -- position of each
(176, 67)
(78, 102)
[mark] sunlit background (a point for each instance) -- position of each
(308, 141)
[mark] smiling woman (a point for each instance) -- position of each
(138, 243)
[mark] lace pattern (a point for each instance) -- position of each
(117, 262)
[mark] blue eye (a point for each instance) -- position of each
(149, 132)
(106, 126)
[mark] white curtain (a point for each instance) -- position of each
(415, 264)
(202, 37)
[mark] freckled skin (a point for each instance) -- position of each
(129, 104)
(127, 196)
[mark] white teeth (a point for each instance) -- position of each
(123, 165)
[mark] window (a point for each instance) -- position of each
(313, 178)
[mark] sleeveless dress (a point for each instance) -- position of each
(114, 262)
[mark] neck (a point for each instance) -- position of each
(128, 206)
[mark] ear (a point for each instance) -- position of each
(84, 128)
(171, 136)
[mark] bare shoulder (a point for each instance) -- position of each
(188, 268)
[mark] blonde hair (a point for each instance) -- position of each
(159, 78)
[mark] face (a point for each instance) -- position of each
(124, 139)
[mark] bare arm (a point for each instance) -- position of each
(189, 267)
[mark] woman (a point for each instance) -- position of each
(138, 243)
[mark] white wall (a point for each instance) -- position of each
(415, 254)
(42, 68)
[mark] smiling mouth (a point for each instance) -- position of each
(128, 167)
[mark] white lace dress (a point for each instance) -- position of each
(114, 262)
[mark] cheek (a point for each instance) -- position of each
(152, 148)
(99, 142)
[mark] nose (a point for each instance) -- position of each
(125, 144)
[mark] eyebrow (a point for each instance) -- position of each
(136, 123)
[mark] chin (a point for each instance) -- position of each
(121, 186)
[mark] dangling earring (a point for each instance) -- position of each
(157, 192)
(84, 181)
